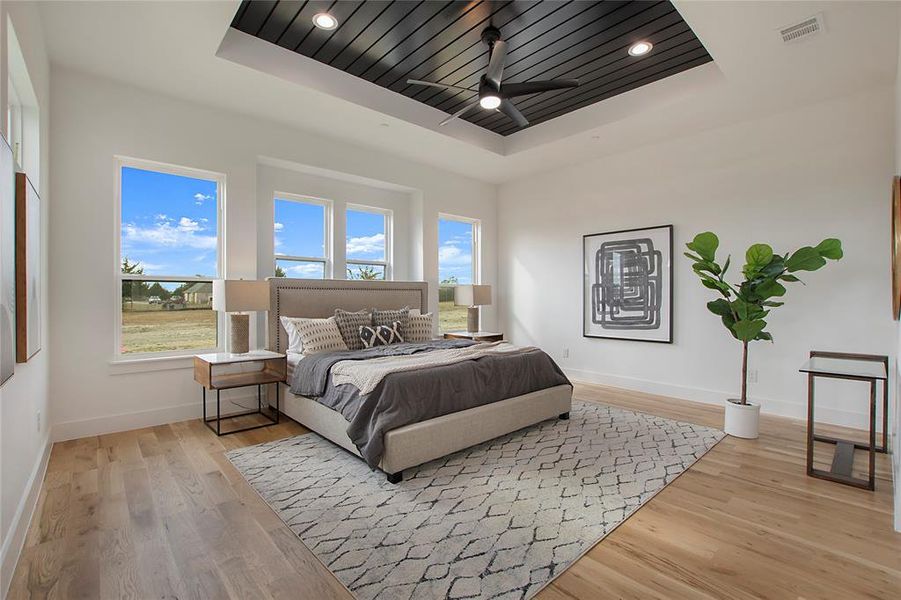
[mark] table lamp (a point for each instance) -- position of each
(238, 297)
(472, 296)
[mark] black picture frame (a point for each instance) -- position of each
(590, 287)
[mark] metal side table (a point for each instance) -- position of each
(870, 368)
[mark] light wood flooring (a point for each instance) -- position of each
(160, 513)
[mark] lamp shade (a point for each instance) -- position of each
(236, 295)
(472, 295)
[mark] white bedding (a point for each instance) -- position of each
(293, 359)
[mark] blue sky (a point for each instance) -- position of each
(169, 223)
(454, 250)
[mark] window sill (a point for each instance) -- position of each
(124, 366)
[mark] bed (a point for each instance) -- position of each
(415, 443)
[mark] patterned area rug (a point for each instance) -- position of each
(499, 520)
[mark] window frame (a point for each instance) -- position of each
(326, 260)
(475, 252)
(388, 263)
(170, 169)
(475, 249)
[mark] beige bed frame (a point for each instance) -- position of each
(415, 444)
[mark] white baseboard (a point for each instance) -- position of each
(12, 546)
(770, 406)
(71, 430)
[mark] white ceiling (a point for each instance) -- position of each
(171, 47)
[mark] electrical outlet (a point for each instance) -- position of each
(39, 421)
(566, 353)
(752, 376)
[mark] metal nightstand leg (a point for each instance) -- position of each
(218, 418)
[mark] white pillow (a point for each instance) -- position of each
(319, 335)
(419, 328)
(295, 344)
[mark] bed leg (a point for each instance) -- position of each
(564, 416)
(395, 477)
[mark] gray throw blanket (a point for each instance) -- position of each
(414, 396)
(311, 374)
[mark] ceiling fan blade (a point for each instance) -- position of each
(511, 90)
(459, 113)
(513, 113)
(443, 86)
(495, 71)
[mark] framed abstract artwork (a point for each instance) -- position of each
(7, 262)
(28, 269)
(896, 247)
(627, 289)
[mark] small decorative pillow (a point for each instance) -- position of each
(419, 328)
(349, 324)
(380, 335)
(388, 317)
(294, 342)
(320, 335)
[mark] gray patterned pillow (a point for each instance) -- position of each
(380, 335)
(388, 317)
(349, 324)
(419, 328)
(319, 335)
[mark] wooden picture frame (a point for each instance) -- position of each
(627, 284)
(896, 248)
(28, 269)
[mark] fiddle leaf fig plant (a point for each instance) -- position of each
(743, 308)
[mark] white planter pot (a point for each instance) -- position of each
(742, 420)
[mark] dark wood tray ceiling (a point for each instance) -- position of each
(389, 42)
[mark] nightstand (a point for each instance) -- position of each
(225, 371)
(476, 336)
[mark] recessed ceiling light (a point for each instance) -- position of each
(640, 48)
(325, 21)
(490, 102)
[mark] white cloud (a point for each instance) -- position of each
(366, 244)
(187, 225)
(305, 270)
(199, 198)
(278, 226)
(164, 234)
(452, 255)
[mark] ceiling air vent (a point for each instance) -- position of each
(802, 30)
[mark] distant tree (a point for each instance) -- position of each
(159, 291)
(280, 272)
(452, 280)
(366, 272)
(132, 290)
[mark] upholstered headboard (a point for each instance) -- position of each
(319, 298)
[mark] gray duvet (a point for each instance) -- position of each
(413, 396)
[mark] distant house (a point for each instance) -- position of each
(199, 293)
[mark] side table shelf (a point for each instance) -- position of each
(223, 371)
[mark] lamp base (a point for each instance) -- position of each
(472, 319)
(239, 333)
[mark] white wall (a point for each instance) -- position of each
(24, 445)
(791, 179)
(95, 119)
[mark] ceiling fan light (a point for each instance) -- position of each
(640, 48)
(325, 21)
(489, 102)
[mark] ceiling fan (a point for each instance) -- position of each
(493, 94)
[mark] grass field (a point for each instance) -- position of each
(451, 317)
(148, 328)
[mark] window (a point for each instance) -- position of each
(170, 251)
(368, 243)
(301, 234)
(458, 263)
